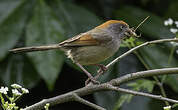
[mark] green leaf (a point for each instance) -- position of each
(172, 80)
(4, 11)
(153, 28)
(70, 14)
(15, 69)
(174, 105)
(130, 42)
(156, 56)
(124, 98)
(106, 99)
(138, 85)
(44, 29)
(142, 84)
(12, 25)
(138, 103)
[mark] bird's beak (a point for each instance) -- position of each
(130, 32)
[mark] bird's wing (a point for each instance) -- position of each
(83, 39)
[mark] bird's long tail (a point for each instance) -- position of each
(35, 48)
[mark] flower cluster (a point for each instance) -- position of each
(4, 90)
(170, 22)
(16, 92)
(167, 108)
(174, 29)
(8, 102)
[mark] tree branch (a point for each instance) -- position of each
(158, 97)
(81, 100)
(137, 47)
(105, 87)
(142, 74)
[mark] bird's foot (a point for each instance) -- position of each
(102, 68)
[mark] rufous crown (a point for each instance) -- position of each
(107, 23)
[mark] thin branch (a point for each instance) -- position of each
(137, 47)
(142, 74)
(158, 97)
(160, 85)
(81, 100)
(103, 87)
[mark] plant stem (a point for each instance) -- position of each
(171, 54)
(2, 100)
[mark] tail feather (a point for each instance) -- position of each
(35, 48)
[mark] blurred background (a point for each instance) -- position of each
(50, 73)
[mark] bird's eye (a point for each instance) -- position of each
(121, 27)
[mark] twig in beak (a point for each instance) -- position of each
(141, 23)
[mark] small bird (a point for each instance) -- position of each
(91, 47)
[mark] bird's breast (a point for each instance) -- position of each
(88, 55)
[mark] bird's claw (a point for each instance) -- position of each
(102, 68)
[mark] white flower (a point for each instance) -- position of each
(4, 90)
(25, 90)
(174, 30)
(174, 43)
(16, 86)
(168, 22)
(167, 108)
(176, 22)
(16, 92)
(177, 51)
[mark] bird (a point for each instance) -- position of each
(91, 47)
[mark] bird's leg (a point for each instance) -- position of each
(102, 69)
(90, 77)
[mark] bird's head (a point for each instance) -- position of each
(118, 29)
